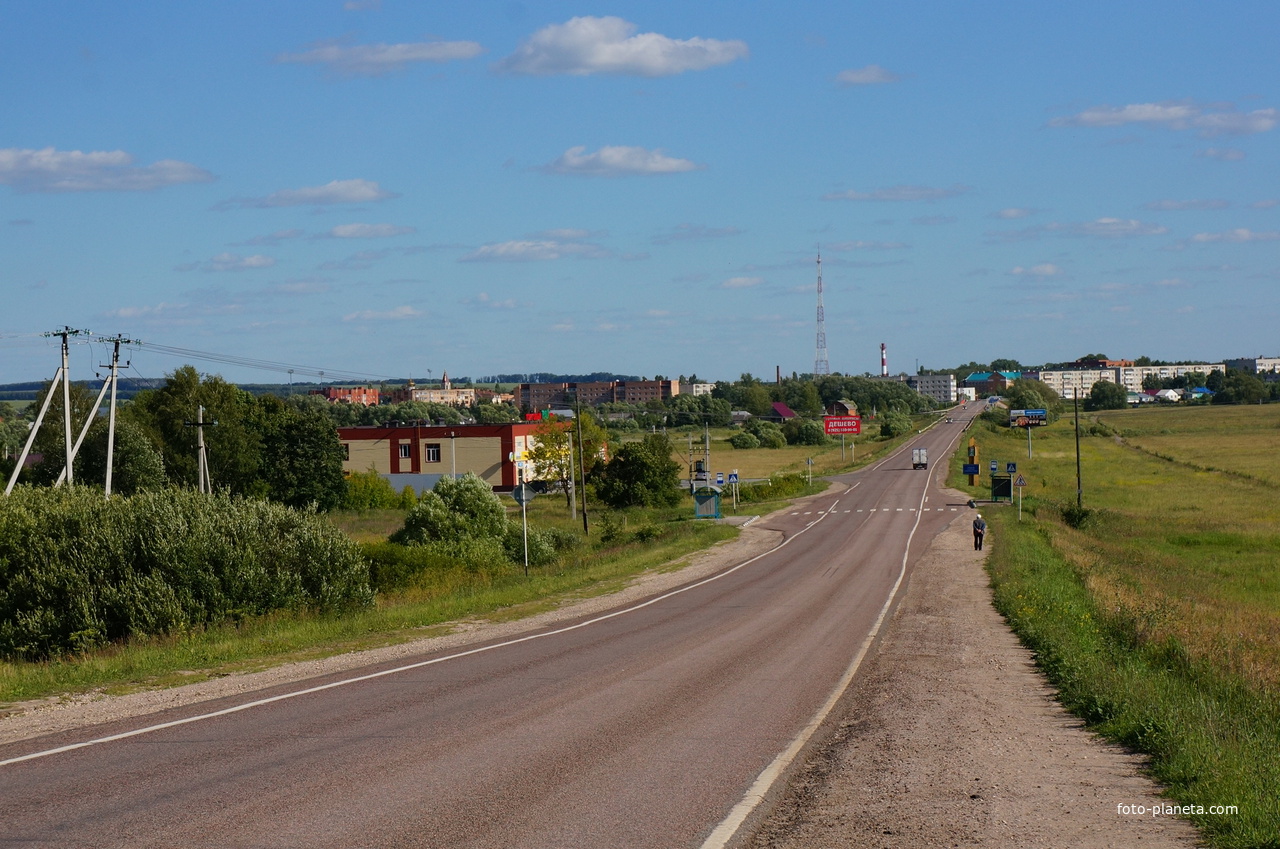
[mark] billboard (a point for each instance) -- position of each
(835, 425)
(1028, 418)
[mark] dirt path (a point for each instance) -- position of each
(951, 737)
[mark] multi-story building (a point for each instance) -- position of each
(940, 387)
(444, 394)
(541, 396)
(1256, 365)
(1079, 381)
(366, 395)
(697, 388)
(418, 456)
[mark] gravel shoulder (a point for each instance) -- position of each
(951, 737)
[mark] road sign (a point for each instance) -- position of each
(842, 424)
(971, 469)
(733, 477)
(994, 466)
(1011, 468)
(523, 494)
(719, 478)
(1028, 418)
(1020, 482)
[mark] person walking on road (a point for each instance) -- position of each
(979, 531)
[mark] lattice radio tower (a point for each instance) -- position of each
(820, 363)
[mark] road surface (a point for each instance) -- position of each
(658, 725)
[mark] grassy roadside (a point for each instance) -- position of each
(1157, 616)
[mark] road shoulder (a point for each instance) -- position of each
(950, 737)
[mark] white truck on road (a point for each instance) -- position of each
(919, 458)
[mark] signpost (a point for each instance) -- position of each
(523, 494)
(733, 482)
(1020, 482)
(1028, 419)
(1011, 468)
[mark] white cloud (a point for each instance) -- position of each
(1175, 116)
(483, 300)
(1170, 282)
(1014, 212)
(1237, 236)
(394, 314)
(368, 231)
(693, 233)
(235, 262)
(1112, 228)
(333, 192)
(1044, 269)
(741, 282)
(870, 75)
(534, 250)
(861, 245)
(50, 170)
(609, 45)
(900, 193)
(1179, 205)
(1222, 154)
(371, 60)
(617, 161)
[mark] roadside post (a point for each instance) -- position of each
(808, 461)
(1020, 484)
(972, 468)
(523, 494)
(831, 425)
(733, 482)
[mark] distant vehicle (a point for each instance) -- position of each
(919, 458)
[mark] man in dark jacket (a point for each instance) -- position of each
(979, 531)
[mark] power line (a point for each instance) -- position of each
(260, 364)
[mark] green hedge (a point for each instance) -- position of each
(774, 489)
(78, 571)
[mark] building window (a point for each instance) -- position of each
(404, 451)
(433, 452)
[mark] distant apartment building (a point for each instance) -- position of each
(541, 396)
(443, 394)
(1255, 365)
(1079, 381)
(939, 387)
(697, 388)
(992, 382)
(365, 395)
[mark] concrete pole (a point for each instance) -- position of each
(66, 410)
(31, 437)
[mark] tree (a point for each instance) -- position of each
(301, 457)
(641, 473)
(1028, 394)
(894, 423)
(1152, 381)
(495, 413)
(136, 464)
(457, 508)
(804, 432)
(1005, 365)
(1106, 395)
(1240, 387)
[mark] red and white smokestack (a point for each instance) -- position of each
(884, 362)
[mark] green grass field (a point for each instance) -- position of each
(1158, 616)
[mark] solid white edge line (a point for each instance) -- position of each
(344, 682)
(728, 828)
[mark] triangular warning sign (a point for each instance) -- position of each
(1021, 481)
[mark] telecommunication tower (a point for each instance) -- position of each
(820, 363)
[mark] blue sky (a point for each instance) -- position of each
(387, 188)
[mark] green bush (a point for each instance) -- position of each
(804, 432)
(456, 508)
(393, 567)
(777, 487)
(371, 491)
(542, 549)
(744, 440)
(78, 570)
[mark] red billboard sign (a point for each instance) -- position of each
(842, 424)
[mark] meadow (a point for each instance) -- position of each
(1156, 610)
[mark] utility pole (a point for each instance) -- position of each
(62, 375)
(573, 483)
(111, 415)
(582, 465)
(1075, 401)
(202, 455)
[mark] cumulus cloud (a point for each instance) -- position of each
(693, 233)
(1222, 154)
(870, 75)
(1043, 270)
(51, 170)
(1208, 121)
(534, 250)
(617, 161)
(610, 45)
(371, 60)
(368, 231)
(394, 314)
(1238, 236)
(1180, 205)
(331, 193)
(901, 193)
(741, 282)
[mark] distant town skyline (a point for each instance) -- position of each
(377, 188)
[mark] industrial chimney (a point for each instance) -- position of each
(884, 361)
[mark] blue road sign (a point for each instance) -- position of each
(733, 477)
(994, 466)
(719, 478)
(972, 469)
(1011, 468)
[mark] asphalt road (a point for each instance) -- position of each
(643, 728)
